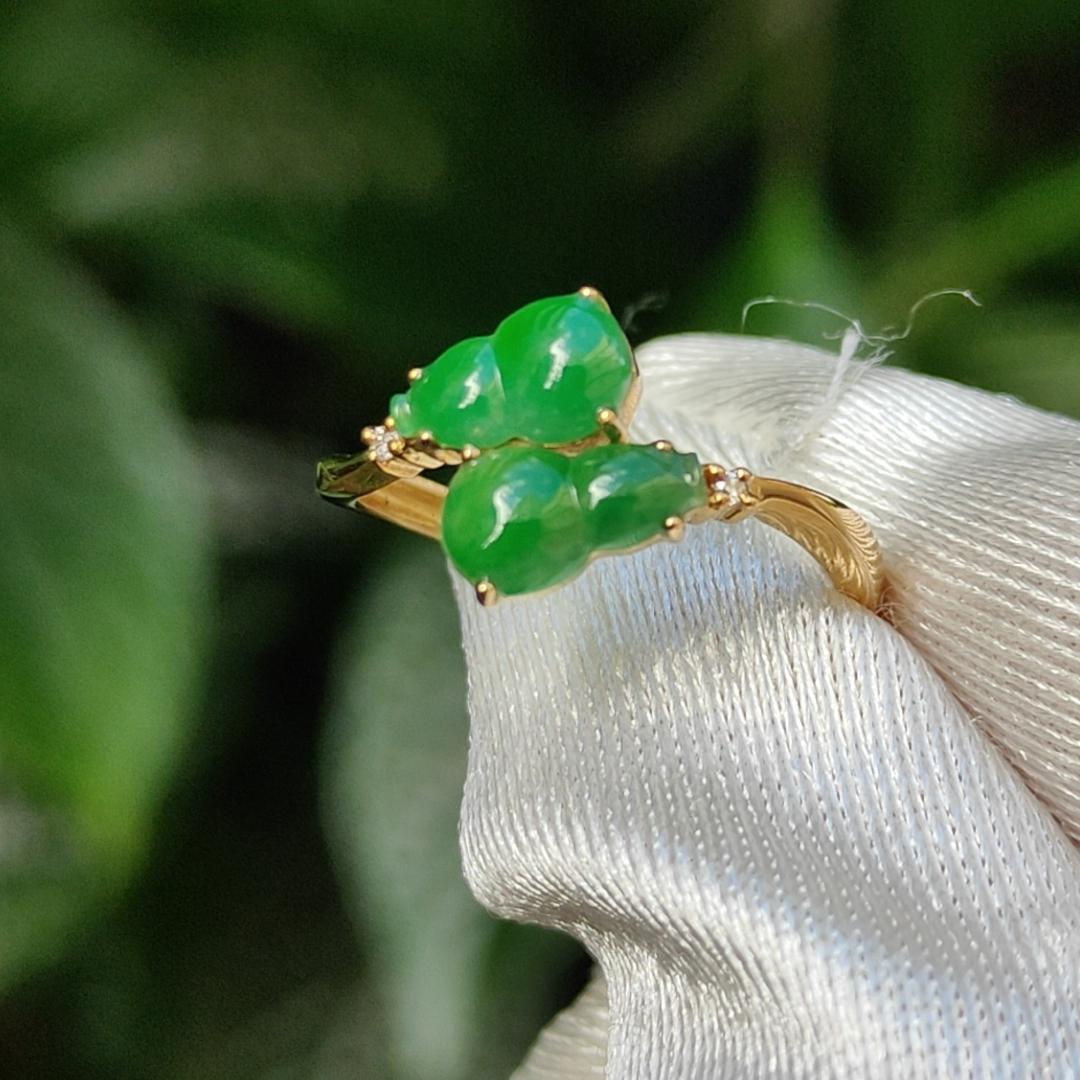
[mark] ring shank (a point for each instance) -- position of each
(415, 504)
(841, 541)
(835, 535)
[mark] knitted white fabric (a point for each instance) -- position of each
(798, 840)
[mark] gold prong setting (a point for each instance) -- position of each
(399, 456)
(486, 593)
(589, 293)
(674, 528)
(727, 488)
(384, 442)
(611, 425)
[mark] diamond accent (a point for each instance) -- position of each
(385, 442)
(731, 485)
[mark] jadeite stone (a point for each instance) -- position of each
(512, 517)
(525, 518)
(540, 378)
(626, 492)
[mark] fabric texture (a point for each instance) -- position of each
(801, 840)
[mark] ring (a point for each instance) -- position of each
(534, 418)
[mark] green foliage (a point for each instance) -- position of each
(104, 576)
(448, 974)
(227, 229)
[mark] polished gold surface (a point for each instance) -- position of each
(840, 540)
(414, 504)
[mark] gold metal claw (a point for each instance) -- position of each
(674, 528)
(611, 425)
(593, 294)
(486, 593)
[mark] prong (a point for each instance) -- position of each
(389, 423)
(485, 593)
(674, 528)
(414, 374)
(722, 498)
(368, 434)
(664, 445)
(610, 424)
(595, 295)
(426, 438)
(469, 452)
(728, 495)
(715, 476)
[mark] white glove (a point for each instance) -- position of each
(801, 841)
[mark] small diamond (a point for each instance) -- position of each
(384, 442)
(731, 484)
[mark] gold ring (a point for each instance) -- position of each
(534, 419)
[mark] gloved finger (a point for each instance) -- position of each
(974, 496)
(784, 841)
(574, 1045)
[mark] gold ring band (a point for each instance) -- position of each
(834, 534)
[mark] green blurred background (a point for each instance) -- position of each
(229, 773)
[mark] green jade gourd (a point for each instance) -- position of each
(525, 518)
(541, 377)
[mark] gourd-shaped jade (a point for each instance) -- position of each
(540, 377)
(524, 518)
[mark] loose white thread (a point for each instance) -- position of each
(860, 351)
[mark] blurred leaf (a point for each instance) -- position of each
(1031, 222)
(266, 259)
(451, 976)
(788, 248)
(262, 124)
(789, 253)
(72, 69)
(691, 102)
(103, 580)
(1032, 353)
